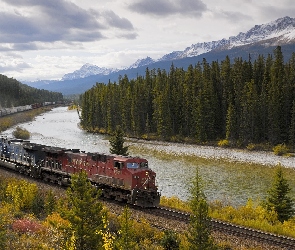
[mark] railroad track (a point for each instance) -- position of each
(229, 228)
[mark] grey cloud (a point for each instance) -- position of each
(232, 16)
(25, 46)
(129, 36)
(169, 7)
(55, 20)
(272, 12)
(18, 67)
(116, 21)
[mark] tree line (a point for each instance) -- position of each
(14, 93)
(241, 101)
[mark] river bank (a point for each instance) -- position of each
(266, 158)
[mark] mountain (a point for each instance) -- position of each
(88, 70)
(279, 32)
(142, 62)
(259, 40)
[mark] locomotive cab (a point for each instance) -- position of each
(141, 180)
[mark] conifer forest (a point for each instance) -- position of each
(14, 93)
(242, 101)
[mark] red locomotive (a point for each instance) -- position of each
(122, 178)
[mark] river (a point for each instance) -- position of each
(230, 183)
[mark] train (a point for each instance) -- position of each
(9, 111)
(121, 178)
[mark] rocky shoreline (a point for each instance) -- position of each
(217, 153)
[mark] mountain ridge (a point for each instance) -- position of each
(259, 38)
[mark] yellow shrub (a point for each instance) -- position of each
(223, 143)
(280, 149)
(21, 193)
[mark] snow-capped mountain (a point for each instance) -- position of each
(142, 62)
(261, 39)
(88, 70)
(279, 32)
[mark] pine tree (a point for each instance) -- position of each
(231, 124)
(278, 197)
(117, 143)
(275, 98)
(292, 127)
(85, 213)
(199, 235)
(170, 240)
(125, 240)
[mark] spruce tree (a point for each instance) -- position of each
(170, 240)
(199, 234)
(292, 127)
(85, 213)
(117, 143)
(126, 233)
(278, 198)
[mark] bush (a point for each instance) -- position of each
(223, 143)
(280, 149)
(21, 133)
(26, 226)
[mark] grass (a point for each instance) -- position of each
(14, 119)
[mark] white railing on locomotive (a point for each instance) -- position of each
(29, 159)
(53, 163)
(17, 151)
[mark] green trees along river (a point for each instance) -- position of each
(241, 101)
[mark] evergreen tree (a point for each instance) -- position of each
(278, 198)
(50, 202)
(170, 240)
(292, 127)
(125, 240)
(85, 213)
(275, 98)
(3, 233)
(249, 113)
(231, 124)
(199, 234)
(117, 143)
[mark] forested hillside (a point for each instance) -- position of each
(241, 101)
(14, 93)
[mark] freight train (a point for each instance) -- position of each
(9, 111)
(122, 178)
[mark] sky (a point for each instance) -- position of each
(45, 39)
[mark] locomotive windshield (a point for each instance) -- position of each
(132, 165)
(137, 165)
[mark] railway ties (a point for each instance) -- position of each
(229, 228)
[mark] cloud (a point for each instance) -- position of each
(52, 21)
(164, 8)
(15, 66)
(25, 46)
(233, 16)
(115, 21)
(272, 12)
(129, 36)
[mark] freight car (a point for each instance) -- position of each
(9, 111)
(122, 178)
